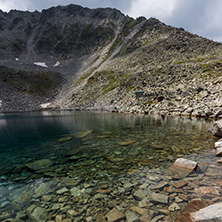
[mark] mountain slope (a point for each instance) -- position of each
(99, 58)
(180, 73)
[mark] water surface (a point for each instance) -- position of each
(91, 147)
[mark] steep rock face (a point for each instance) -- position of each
(59, 31)
(60, 41)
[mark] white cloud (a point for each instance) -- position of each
(7, 5)
(152, 8)
(201, 17)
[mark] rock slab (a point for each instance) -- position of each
(39, 164)
(181, 168)
(114, 216)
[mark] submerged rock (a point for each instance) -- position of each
(37, 214)
(181, 168)
(158, 198)
(212, 213)
(43, 189)
(39, 164)
(131, 217)
(82, 134)
(64, 139)
(216, 128)
(114, 216)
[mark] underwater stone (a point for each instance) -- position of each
(43, 189)
(75, 192)
(64, 139)
(181, 168)
(62, 191)
(82, 134)
(158, 198)
(39, 164)
(131, 217)
(114, 215)
(37, 214)
(212, 213)
(140, 194)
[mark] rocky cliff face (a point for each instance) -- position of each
(98, 59)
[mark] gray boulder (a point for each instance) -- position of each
(216, 128)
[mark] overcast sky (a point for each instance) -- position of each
(202, 17)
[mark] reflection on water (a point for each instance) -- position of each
(121, 140)
(89, 147)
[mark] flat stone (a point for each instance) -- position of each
(216, 128)
(218, 151)
(212, 213)
(181, 168)
(145, 219)
(180, 183)
(131, 217)
(39, 164)
(64, 139)
(205, 190)
(157, 218)
(139, 210)
(62, 191)
(67, 220)
(126, 143)
(158, 198)
(140, 194)
(114, 215)
(159, 185)
(104, 191)
(82, 134)
(72, 152)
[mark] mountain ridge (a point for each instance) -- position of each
(102, 57)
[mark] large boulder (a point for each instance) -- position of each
(212, 213)
(216, 128)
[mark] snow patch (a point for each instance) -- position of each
(16, 59)
(56, 64)
(42, 64)
(0, 103)
(45, 105)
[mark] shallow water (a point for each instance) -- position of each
(90, 147)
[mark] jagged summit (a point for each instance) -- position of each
(76, 57)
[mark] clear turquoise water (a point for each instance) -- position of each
(154, 141)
